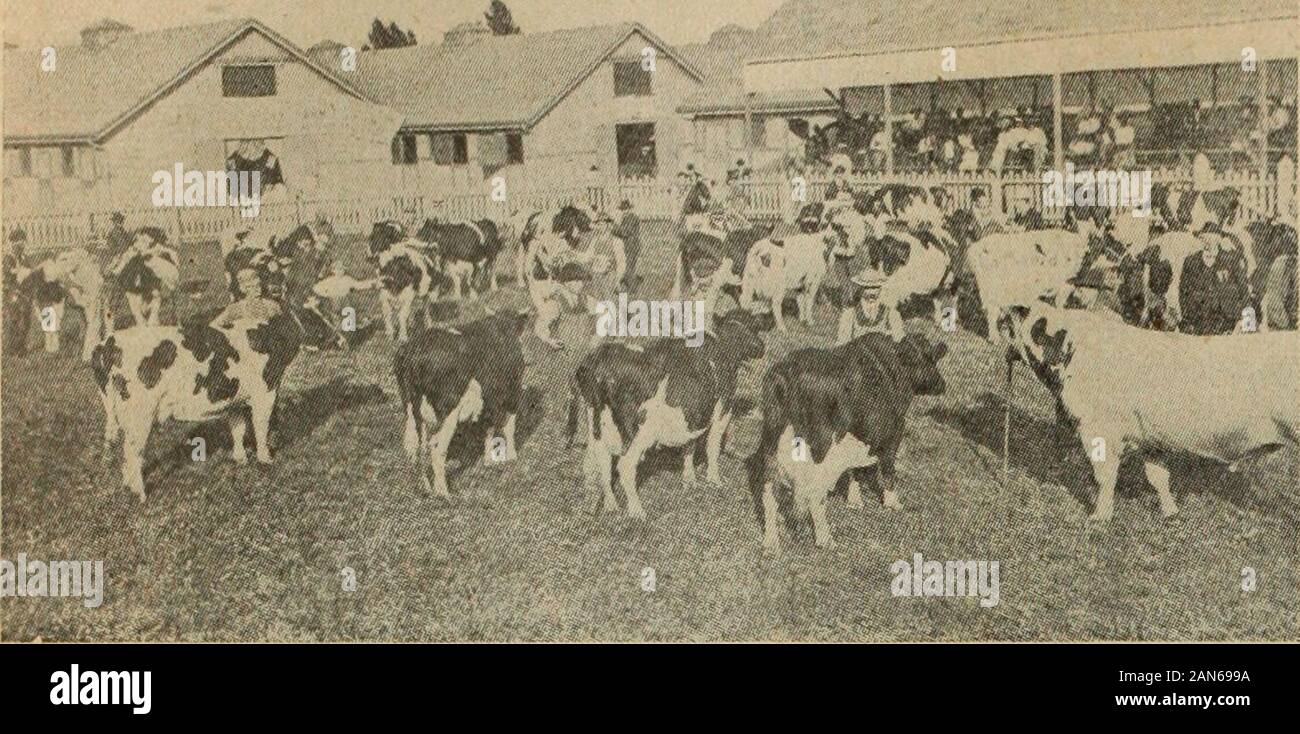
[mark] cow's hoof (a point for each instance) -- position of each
(1170, 515)
(265, 460)
(240, 458)
(636, 513)
(826, 544)
(771, 548)
(854, 503)
(891, 501)
(714, 478)
(1099, 519)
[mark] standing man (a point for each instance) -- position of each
(628, 229)
(1212, 290)
(868, 314)
(116, 243)
(17, 312)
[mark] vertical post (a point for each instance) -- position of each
(889, 130)
(1058, 136)
(749, 128)
(1261, 122)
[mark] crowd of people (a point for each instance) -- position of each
(963, 140)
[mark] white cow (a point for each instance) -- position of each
(70, 277)
(773, 272)
(1021, 268)
(1230, 398)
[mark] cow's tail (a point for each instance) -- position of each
(576, 402)
(773, 401)
(410, 404)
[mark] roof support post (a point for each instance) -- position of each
(749, 129)
(889, 130)
(1261, 121)
(1058, 136)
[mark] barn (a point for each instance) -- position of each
(87, 126)
(559, 107)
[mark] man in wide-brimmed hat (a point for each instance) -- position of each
(868, 315)
(16, 313)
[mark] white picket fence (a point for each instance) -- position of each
(768, 196)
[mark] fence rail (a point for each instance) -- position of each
(769, 197)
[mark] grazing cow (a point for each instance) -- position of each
(847, 407)
(146, 272)
(663, 394)
(1018, 269)
(70, 277)
(775, 270)
(408, 271)
(1114, 379)
(195, 372)
(450, 376)
(469, 253)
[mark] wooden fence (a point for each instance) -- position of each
(769, 198)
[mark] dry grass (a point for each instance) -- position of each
(246, 553)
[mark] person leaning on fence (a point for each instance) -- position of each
(868, 315)
(628, 229)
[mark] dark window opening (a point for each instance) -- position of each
(450, 149)
(636, 150)
(631, 80)
(248, 81)
(69, 161)
(404, 150)
(514, 148)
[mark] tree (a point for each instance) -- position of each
(499, 19)
(388, 36)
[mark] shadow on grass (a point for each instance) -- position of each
(1051, 453)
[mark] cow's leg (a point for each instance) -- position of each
(136, 426)
(627, 466)
(404, 301)
(778, 307)
(52, 335)
(821, 527)
(1106, 472)
(509, 431)
(888, 486)
(855, 492)
(713, 443)
(438, 447)
(261, 407)
(688, 465)
(94, 325)
(238, 429)
(112, 427)
(521, 265)
(1159, 478)
(387, 310)
(771, 539)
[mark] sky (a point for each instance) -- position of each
(39, 23)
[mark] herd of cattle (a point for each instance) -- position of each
(1080, 304)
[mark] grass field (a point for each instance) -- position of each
(221, 552)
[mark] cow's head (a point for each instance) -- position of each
(572, 222)
(920, 360)
(384, 235)
(1039, 336)
(738, 335)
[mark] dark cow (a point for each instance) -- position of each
(450, 376)
(147, 272)
(69, 278)
(408, 270)
(194, 372)
(828, 411)
(664, 394)
(469, 252)
(701, 253)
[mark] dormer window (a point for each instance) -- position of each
(255, 80)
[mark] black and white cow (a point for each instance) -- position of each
(71, 277)
(665, 394)
(1115, 381)
(701, 252)
(829, 411)
(469, 252)
(449, 376)
(572, 222)
(193, 372)
(147, 272)
(408, 271)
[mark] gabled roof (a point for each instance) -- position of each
(817, 28)
(495, 83)
(93, 92)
